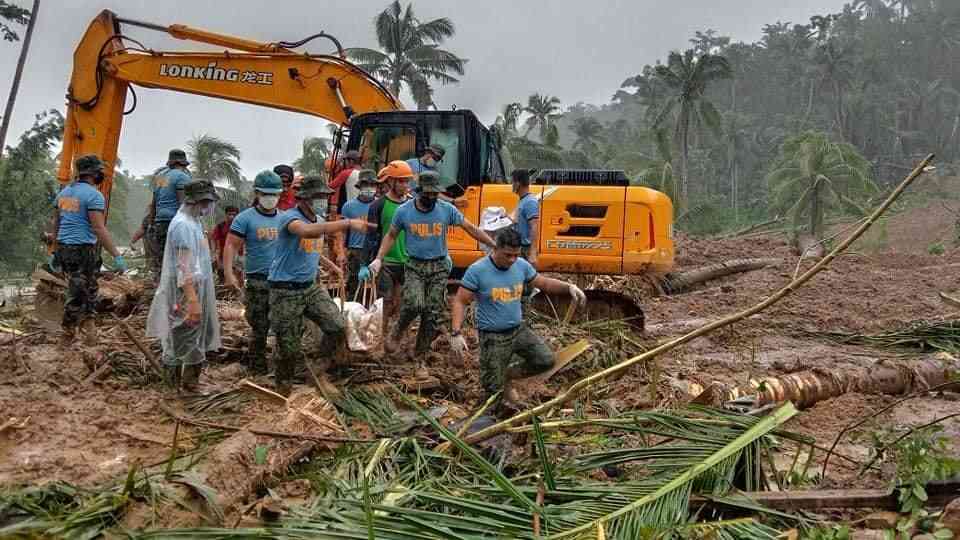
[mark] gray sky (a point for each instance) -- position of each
(576, 50)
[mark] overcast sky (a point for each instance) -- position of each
(575, 50)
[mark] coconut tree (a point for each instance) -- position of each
(410, 53)
(588, 131)
(507, 120)
(213, 158)
(814, 174)
(544, 110)
(687, 76)
(315, 151)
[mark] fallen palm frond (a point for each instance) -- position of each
(375, 409)
(226, 401)
(919, 336)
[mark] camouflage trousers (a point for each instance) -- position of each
(159, 245)
(513, 353)
(425, 296)
(356, 258)
(80, 263)
(287, 311)
(257, 304)
(526, 298)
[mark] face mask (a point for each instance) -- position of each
(367, 193)
(427, 202)
(206, 210)
(320, 207)
(269, 202)
(429, 162)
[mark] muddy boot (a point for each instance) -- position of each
(89, 329)
(190, 378)
(69, 336)
(171, 376)
(510, 397)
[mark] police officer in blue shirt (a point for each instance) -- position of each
(168, 195)
(80, 223)
(358, 207)
(294, 292)
(424, 222)
(428, 162)
(508, 348)
(256, 230)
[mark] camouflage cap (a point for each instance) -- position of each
(89, 164)
(177, 157)
(200, 190)
(366, 176)
(429, 182)
(313, 186)
(436, 150)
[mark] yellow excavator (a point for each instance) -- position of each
(592, 221)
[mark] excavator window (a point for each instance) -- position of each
(382, 144)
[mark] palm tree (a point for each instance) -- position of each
(814, 174)
(213, 158)
(588, 131)
(687, 76)
(410, 53)
(507, 121)
(832, 63)
(315, 151)
(544, 110)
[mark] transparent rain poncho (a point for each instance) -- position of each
(186, 266)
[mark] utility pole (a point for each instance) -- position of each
(8, 110)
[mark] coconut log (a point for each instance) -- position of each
(806, 388)
(679, 282)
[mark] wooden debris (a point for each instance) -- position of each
(950, 300)
(886, 499)
(262, 392)
(563, 357)
(147, 353)
(14, 423)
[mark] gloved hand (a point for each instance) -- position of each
(375, 266)
(578, 295)
(364, 273)
(458, 345)
(120, 264)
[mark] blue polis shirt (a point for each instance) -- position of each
(165, 193)
(260, 233)
(426, 232)
(74, 201)
(498, 292)
(353, 209)
(528, 208)
(296, 258)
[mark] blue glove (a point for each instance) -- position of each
(120, 264)
(364, 273)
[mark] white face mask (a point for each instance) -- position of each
(429, 161)
(368, 193)
(320, 207)
(206, 209)
(269, 202)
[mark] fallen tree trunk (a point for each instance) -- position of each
(939, 494)
(578, 388)
(679, 282)
(806, 388)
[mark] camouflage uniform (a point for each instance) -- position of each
(160, 229)
(513, 353)
(80, 263)
(424, 296)
(257, 296)
(287, 310)
(356, 258)
(526, 300)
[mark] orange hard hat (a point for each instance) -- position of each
(395, 169)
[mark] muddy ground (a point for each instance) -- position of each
(91, 433)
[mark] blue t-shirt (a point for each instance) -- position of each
(165, 193)
(296, 258)
(426, 232)
(354, 209)
(528, 208)
(74, 201)
(259, 232)
(498, 292)
(417, 167)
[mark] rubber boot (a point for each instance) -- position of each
(89, 329)
(171, 376)
(190, 378)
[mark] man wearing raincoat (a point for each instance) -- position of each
(184, 310)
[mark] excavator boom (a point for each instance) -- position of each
(106, 63)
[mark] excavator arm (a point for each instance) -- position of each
(106, 63)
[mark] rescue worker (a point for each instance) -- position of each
(145, 233)
(183, 314)
(508, 348)
(294, 292)
(219, 238)
(343, 184)
(527, 220)
(168, 189)
(288, 198)
(255, 230)
(432, 156)
(358, 208)
(424, 222)
(79, 225)
(394, 181)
